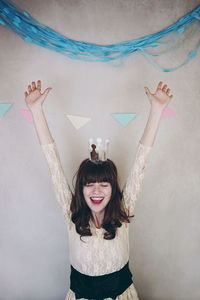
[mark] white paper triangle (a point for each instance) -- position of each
(78, 121)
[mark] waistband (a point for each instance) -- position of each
(100, 287)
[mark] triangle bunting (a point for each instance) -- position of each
(27, 115)
(78, 121)
(4, 107)
(168, 112)
(124, 119)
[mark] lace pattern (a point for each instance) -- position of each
(97, 256)
(129, 294)
(134, 182)
(60, 185)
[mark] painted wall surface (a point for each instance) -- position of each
(164, 235)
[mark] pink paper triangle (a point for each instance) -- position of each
(27, 115)
(168, 112)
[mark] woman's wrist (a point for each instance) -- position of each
(157, 109)
(152, 126)
(36, 109)
(41, 126)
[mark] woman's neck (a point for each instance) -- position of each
(97, 219)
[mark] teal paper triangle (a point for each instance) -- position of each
(4, 107)
(124, 119)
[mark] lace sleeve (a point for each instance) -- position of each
(60, 186)
(133, 184)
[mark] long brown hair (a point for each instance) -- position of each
(104, 171)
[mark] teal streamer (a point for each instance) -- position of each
(179, 46)
(22, 24)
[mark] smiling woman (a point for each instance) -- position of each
(99, 255)
(98, 196)
(97, 193)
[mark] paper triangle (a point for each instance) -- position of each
(168, 113)
(4, 107)
(124, 119)
(78, 121)
(27, 115)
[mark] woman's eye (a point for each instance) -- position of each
(104, 185)
(89, 184)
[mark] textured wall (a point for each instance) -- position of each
(164, 237)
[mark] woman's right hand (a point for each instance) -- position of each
(34, 98)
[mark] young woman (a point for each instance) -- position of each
(97, 213)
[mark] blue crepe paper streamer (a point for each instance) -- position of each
(22, 24)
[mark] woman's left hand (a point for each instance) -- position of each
(161, 98)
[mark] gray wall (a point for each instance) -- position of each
(164, 237)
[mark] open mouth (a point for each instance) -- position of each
(96, 200)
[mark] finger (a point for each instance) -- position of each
(167, 92)
(46, 91)
(171, 96)
(159, 85)
(39, 85)
(147, 91)
(33, 85)
(29, 88)
(26, 94)
(164, 88)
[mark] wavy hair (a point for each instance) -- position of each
(115, 214)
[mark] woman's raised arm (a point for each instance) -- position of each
(132, 188)
(159, 100)
(34, 100)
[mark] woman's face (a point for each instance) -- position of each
(97, 195)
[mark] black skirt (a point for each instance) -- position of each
(100, 287)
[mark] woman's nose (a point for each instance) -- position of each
(96, 189)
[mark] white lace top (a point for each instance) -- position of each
(97, 256)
